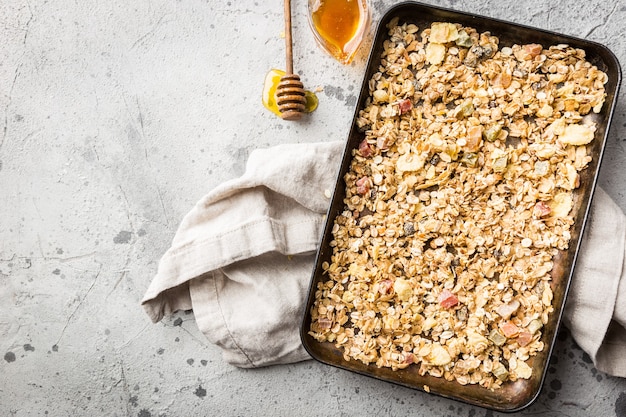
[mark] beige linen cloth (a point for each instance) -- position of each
(242, 260)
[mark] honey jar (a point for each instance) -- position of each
(339, 26)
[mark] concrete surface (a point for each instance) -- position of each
(115, 118)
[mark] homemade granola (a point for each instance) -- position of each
(457, 201)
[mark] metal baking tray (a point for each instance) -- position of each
(512, 396)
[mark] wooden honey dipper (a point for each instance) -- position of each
(290, 91)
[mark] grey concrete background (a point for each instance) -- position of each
(115, 118)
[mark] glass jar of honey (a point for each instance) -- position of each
(339, 26)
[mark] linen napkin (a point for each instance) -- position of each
(242, 260)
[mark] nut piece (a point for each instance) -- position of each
(577, 135)
(403, 289)
(435, 53)
(443, 32)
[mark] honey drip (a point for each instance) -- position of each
(269, 93)
(339, 26)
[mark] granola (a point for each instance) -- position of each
(457, 201)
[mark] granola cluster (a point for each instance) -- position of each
(457, 202)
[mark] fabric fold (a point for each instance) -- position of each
(593, 296)
(241, 258)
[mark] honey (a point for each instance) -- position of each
(269, 93)
(339, 26)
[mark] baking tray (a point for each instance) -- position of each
(512, 396)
